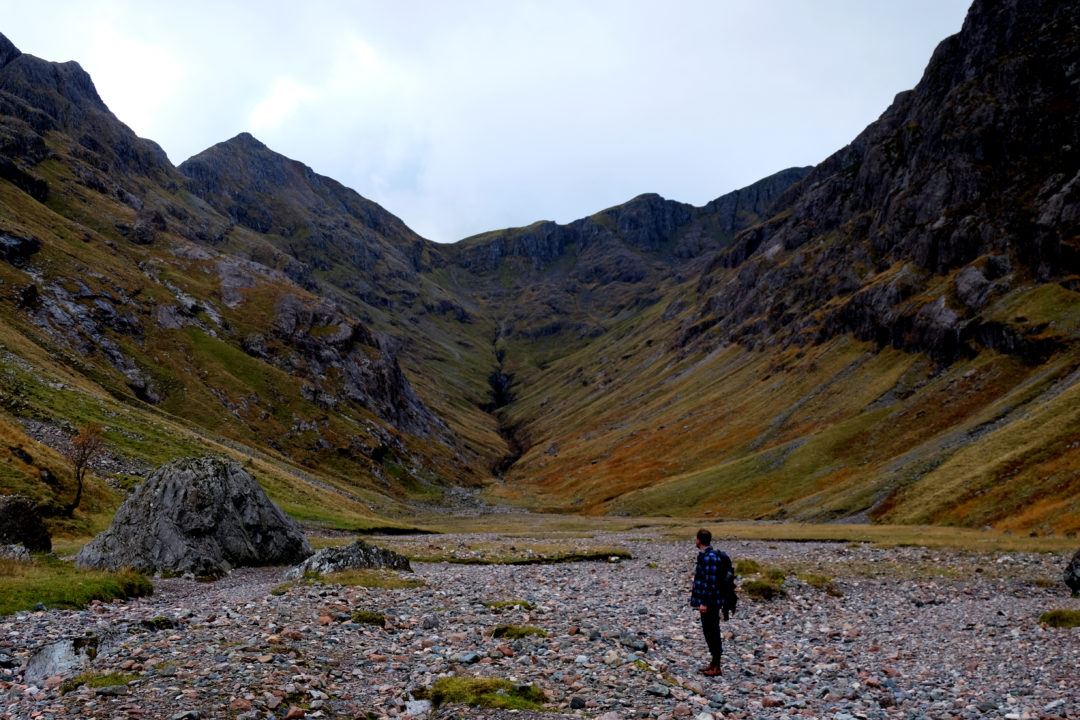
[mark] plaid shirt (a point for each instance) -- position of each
(706, 578)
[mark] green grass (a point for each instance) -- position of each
(58, 584)
(485, 692)
(1061, 618)
(516, 632)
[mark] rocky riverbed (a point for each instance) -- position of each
(899, 633)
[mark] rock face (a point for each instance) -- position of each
(967, 184)
(357, 555)
(21, 523)
(1072, 574)
(202, 516)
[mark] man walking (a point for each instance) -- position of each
(710, 595)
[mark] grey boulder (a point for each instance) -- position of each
(358, 554)
(1072, 574)
(202, 516)
(21, 523)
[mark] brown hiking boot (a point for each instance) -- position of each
(713, 671)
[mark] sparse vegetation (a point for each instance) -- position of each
(57, 584)
(96, 680)
(822, 582)
(516, 632)
(501, 604)
(485, 692)
(763, 589)
(369, 617)
(1061, 618)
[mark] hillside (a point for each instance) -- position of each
(887, 336)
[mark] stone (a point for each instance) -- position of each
(358, 554)
(21, 523)
(15, 552)
(1072, 574)
(577, 703)
(202, 516)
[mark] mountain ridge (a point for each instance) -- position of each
(889, 335)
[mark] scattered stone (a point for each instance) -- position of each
(358, 554)
(15, 552)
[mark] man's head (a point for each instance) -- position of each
(704, 538)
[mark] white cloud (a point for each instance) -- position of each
(284, 100)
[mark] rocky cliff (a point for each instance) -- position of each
(963, 192)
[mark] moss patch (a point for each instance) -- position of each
(1061, 618)
(485, 692)
(516, 632)
(96, 680)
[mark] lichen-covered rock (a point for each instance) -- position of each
(15, 552)
(202, 516)
(356, 555)
(21, 523)
(1072, 574)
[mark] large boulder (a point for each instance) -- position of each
(358, 554)
(21, 523)
(1072, 574)
(202, 516)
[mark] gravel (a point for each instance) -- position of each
(905, 633)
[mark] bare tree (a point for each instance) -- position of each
(85, 448)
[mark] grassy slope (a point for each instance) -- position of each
(627, 424)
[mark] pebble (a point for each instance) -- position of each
(916, 633)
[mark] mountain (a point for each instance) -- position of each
(887, 336)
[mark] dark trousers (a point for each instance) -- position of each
(710, 625)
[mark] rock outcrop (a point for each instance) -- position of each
(966, 186)
(201, 516)
(358, 554)
(21, 524)
(1072, 574)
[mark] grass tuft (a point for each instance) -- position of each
(369, 617)
(747, 566)
(516, 632)
(1061, 618)
(500, 604)
(485, 692)
(96, 680)
(763, 589)
(822, 582)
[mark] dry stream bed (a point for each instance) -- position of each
(861, 632)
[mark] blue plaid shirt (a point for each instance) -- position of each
(707, 578)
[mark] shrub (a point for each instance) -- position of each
(1061, 618)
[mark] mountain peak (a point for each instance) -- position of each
(8, 51)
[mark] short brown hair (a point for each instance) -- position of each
(704, 537)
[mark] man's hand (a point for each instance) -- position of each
(703, 609)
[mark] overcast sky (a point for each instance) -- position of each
(462, 116)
